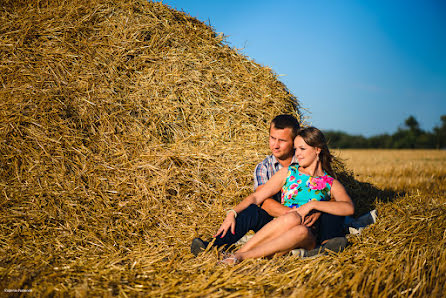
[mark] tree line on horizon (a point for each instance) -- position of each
(409, 136)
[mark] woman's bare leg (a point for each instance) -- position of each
(272, 230)
(298, 236)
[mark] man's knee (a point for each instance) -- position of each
(250, 212)
(251, 208)
(253, 218)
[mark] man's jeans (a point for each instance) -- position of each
(330, 226)
(254, 218)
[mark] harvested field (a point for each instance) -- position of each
(399, 170)
(127, 128)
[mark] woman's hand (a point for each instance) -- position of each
(311, 218)
(303, 210)
(228, 223)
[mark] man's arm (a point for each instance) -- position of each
(273, 207)
(270, 205)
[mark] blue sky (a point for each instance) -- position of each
(358, 66)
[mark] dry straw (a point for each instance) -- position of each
(126, 129)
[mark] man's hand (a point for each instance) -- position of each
(312, 218)
(228, 223)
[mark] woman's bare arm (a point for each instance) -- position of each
(342, 204)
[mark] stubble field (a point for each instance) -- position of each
(414, 171)
(402, 255)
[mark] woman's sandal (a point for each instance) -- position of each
(230, 260)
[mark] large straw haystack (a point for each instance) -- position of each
(126, 128)
(121, 121)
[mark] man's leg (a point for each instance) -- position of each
(252, 218)
(331, 226)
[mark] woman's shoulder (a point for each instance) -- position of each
(336, 183)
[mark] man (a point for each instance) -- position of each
(283, 130)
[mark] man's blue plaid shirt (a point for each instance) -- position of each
(266, 169)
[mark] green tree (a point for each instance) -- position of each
(381, 141)
(409, 135)
(440, 134)
(413, 125)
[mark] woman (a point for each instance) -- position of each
(305, 187)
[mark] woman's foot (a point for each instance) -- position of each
(230, 260)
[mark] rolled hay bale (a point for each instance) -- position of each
(126, 128)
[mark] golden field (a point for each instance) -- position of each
(421, 171)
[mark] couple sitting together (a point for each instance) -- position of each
(301, 204)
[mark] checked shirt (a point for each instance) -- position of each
(266, 169)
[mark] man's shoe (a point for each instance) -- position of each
(337, 244)
(364, 220)
(313, 252)
(303, 253)
(198, 246)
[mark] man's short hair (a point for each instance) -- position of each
(284, 121)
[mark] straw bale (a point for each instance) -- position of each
(126, 129)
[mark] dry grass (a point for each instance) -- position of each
(126, 130)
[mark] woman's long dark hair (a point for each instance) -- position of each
(315, 138)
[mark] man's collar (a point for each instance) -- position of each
(293, 160)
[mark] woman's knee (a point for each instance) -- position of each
(292, 219)
(302, 230)
(303, 236)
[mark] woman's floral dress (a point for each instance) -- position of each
(301, 188)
